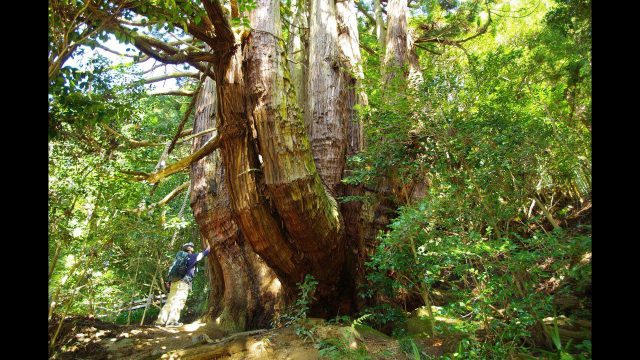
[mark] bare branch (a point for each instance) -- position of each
(137, 175)
(196, 135)
(98, 45)
(170, 196)
(177, 92)
(367, 49)
(211, 145)
(157, 78)
(365, 12)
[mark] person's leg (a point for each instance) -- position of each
(182, 291)
(163, 317)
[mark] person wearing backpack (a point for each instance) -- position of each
(180, 276)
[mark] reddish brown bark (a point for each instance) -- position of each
(244, 290)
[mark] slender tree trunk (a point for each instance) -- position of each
(380, 30)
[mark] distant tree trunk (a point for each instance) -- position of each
(380, 30)
(351, 75)
(396, 40)
(244, 290)
(298, 49)
(328, 95)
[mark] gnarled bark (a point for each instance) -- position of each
(258, 221)
(309, 213)
(326, 98)
(244, 290)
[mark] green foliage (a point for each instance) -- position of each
(410, 348)
(339, 349)
(103, 249)
(500, 134)
(296, 314)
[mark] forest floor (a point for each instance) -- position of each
(85, 338)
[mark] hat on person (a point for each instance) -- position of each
(184, 247)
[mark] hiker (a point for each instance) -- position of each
(181, 275)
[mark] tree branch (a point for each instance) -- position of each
(157, 78)
(177, 92)
(365, 12)
(211, 145)
(170, 196)
(133, 144)
(197, 134)
(368, 49)
(215, 12)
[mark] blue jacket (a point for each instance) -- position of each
(191, 265)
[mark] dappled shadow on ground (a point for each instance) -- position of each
(84, 338)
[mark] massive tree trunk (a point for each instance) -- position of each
(281, 181)
(328, 95)
(309, 212)
(244, 290)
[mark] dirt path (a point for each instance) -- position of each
(92, 339)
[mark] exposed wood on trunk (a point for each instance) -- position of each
(326, 97)
(258, 222)
(289, 171)
(243, 289)
(298, 51)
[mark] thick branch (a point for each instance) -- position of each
(179, 165)
(157, 78)
(177, 92)
(220, 23)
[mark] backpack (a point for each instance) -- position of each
(179, 268)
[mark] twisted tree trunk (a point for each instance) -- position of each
(281, 187)
(244, 290)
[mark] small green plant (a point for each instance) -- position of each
(296, 315)
(408, 346)
(563, 353)
(338, 349)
